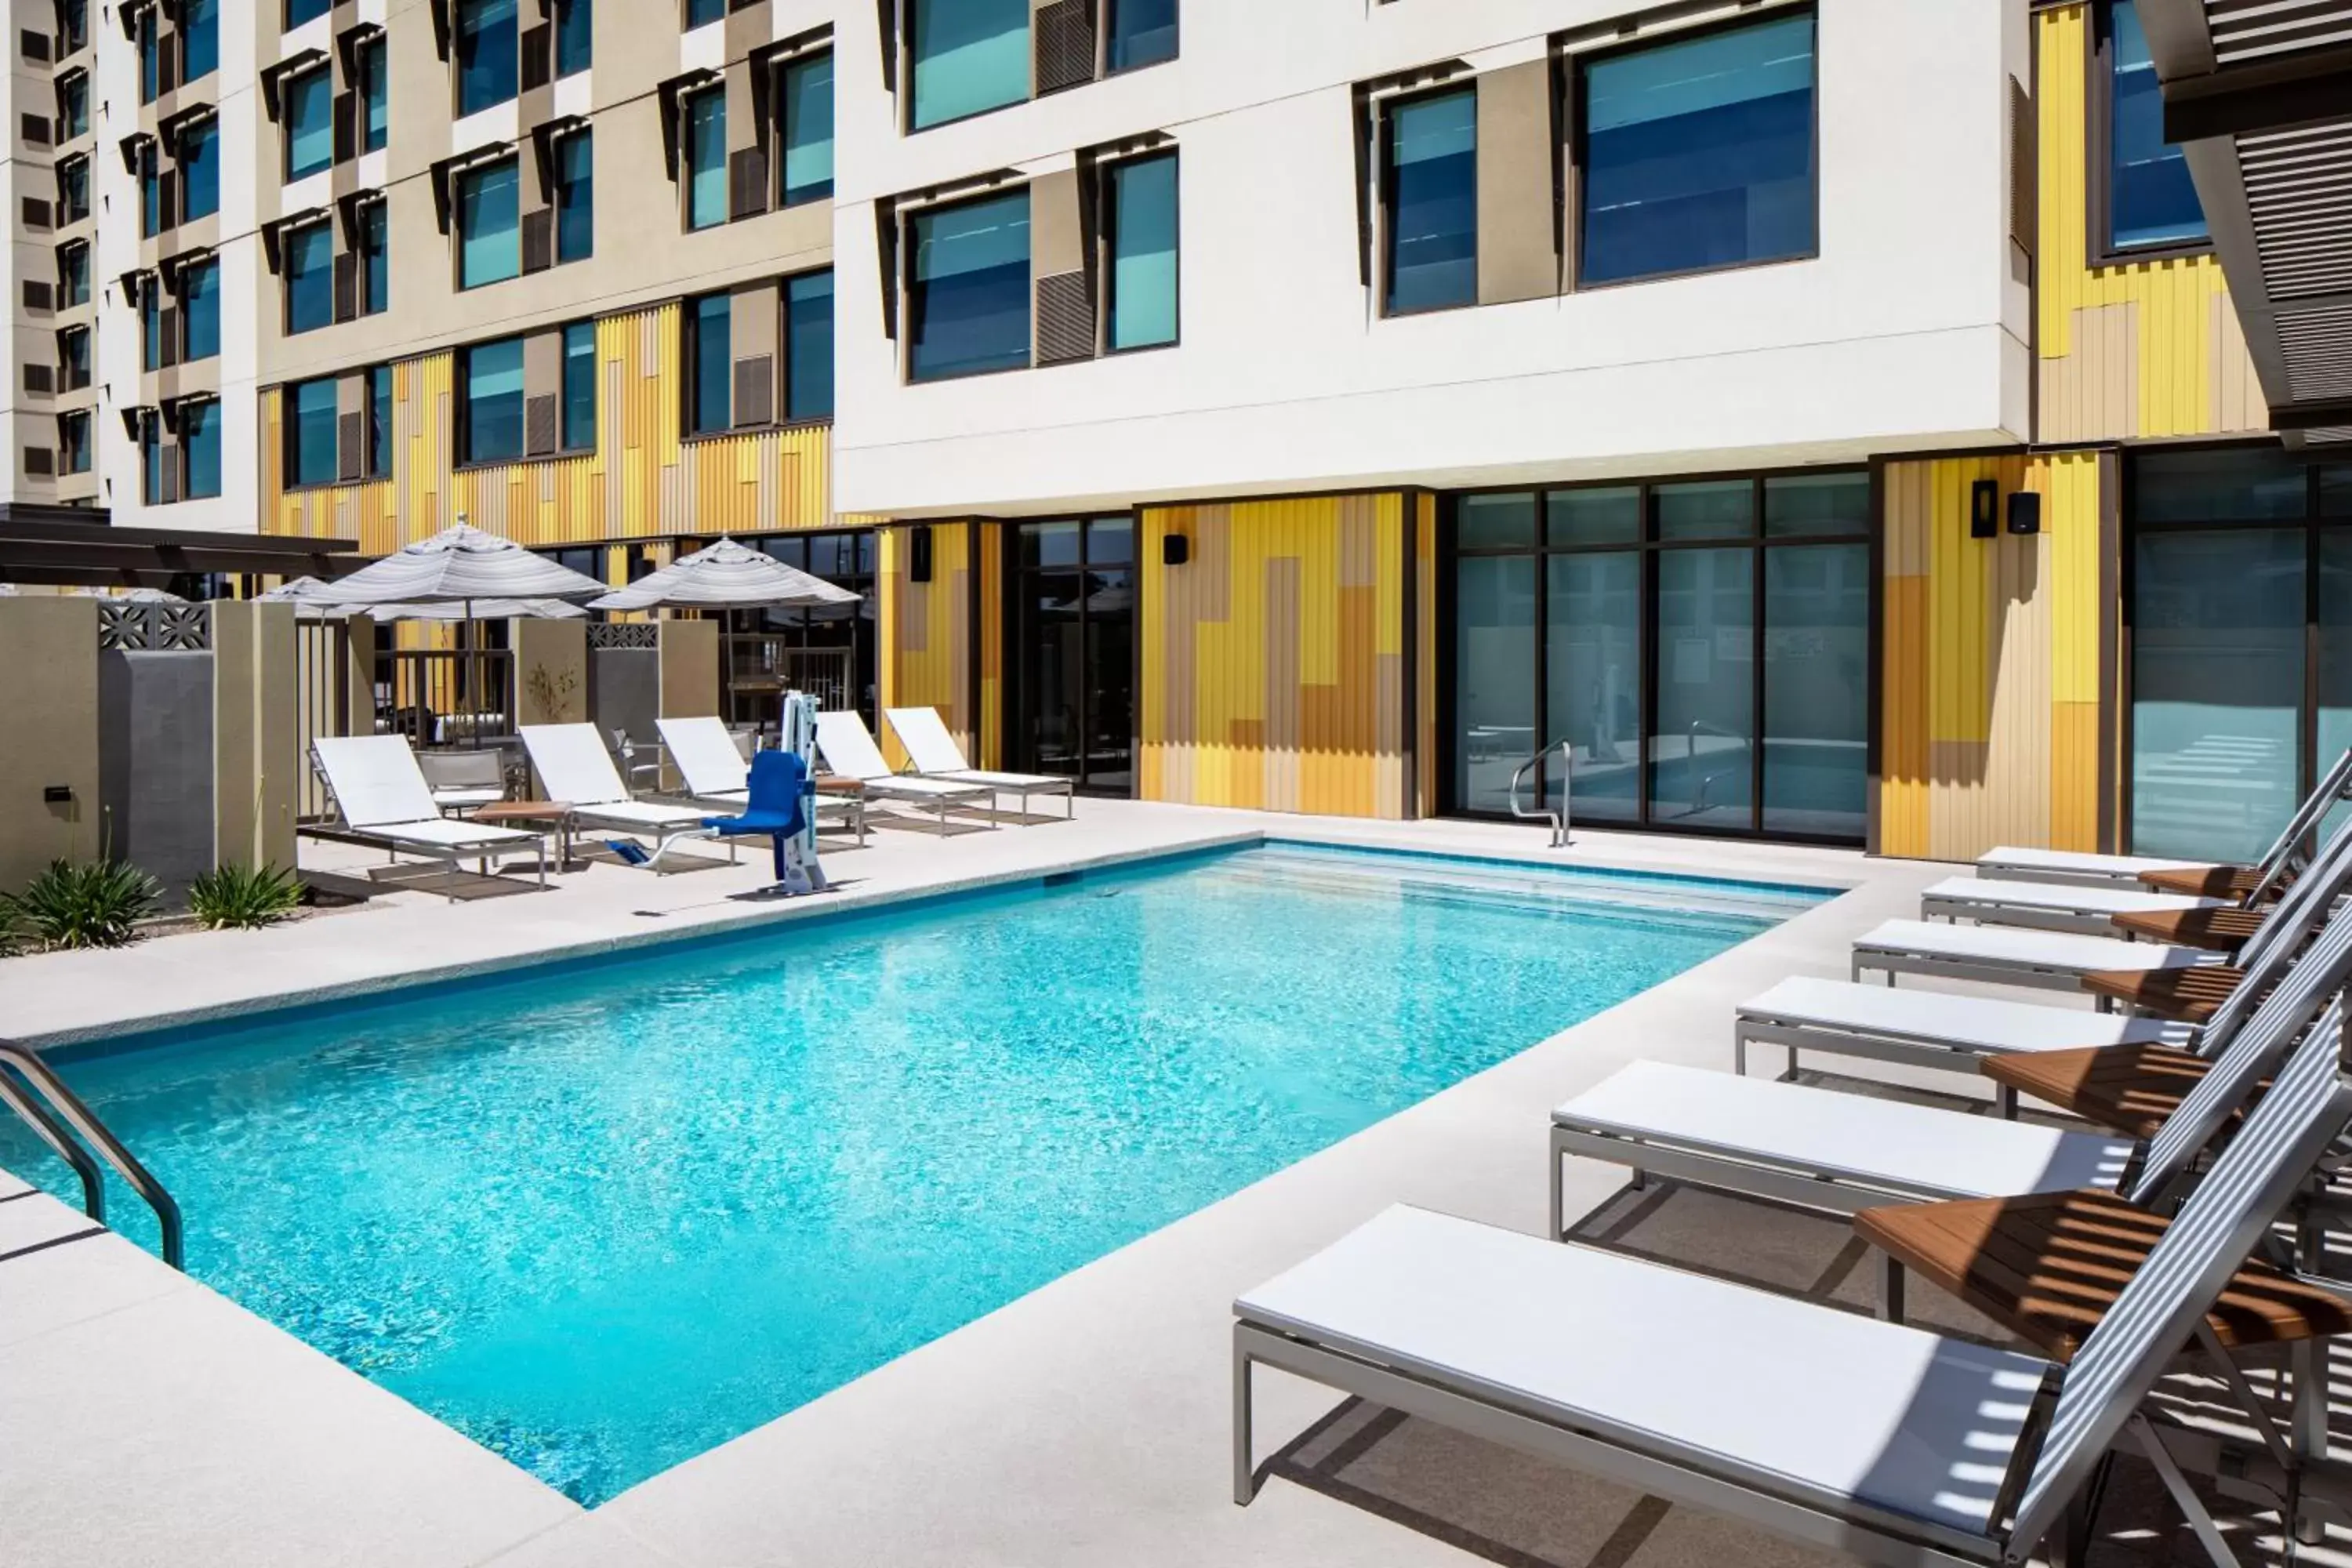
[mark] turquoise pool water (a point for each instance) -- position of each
(603, 1217)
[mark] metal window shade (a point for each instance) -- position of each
(36, 130)
(167, 202)
(538, 46)
(37, 213)
(746, 183)
(167, 482)
(1065, 318)
(35, 44)
(351, 446)
(538, 239)
(36, 296)
(37, 378)
(346, 114)
(37, 461)
(347, 286)
(167, 70)
(2023, 209)
(167, 327)
(538, 422)
(755, 390)
(1065, 45)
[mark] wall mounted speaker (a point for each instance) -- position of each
(918, 553)
(1175, 549)
(1984, 508)
(2025, 512)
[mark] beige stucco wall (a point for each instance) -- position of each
(48, 733)
(255, 751)
(690, 675)
(551, 671)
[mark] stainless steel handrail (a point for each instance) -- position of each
(33, 1073)
(1558, 820)
(1702, 783)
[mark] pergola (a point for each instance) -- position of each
(77, 546)
(2258, 94)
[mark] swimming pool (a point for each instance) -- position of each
(603, 1216)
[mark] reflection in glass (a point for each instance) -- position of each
(1052, 688)
(1816, 688)
(2150, 198)
(2334, 660)
(2217, 691)
(968, 309)
(1713, 508)
(1494, 675)
(1594, 517)
(1796, 505)
(1433, 203)
(1592, 679)
(969, 55)
(1486, 522)
(1703, 756)
(1110, 680)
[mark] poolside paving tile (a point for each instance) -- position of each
(593, 1541)
(60, 1286)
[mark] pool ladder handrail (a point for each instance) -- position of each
(1540, 813)
(56, 1114)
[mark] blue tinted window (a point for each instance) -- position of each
(575, 197)
(151, 192)
(73, 442)
(489, 213)
(73, 274)
(706, 323)
(73, 24)
(574, 36)
(1432, 202)
(73, 357)
(150, 459)
(698, 12)
(487, 73)
(968, 305)
(73, 188)
(493, 379)
(200, 309)
(379, 417)
(969, 56)
(1700, 154)
(375, 99)
(151, 323)
(301, 11)
(310, 124)
(200, 449)
(310, 432)
(580, 386)
(1142, 32)
(706, 159)
(200, 170)
(1143, 252)
(375, 261)
(199, 40)
(808, 130)
(149, 56)
(2150, 198)
(808, 346)
(309, 279)
(73, 105)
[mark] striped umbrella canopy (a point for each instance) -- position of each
(459, 564)
(302, 593)
(725, 576)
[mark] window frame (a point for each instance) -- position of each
(463, 378)
(372, 73)
(1106, 248)
(905, 73)
(66, 386)
(1106, 15)
(689, 167)
(378, 417)
(1384, 203)
(68, 82)
(78, 164)
(290, 438)
(150, 457)
(76, 419)
(908, 250)
(372, 242)
(556, 204)
(564, 448)
(562, 12)
(181, 32)
(286, 277)
(181, 292)
(690, 364)
(2099, 248)
(785, 417)
(180, 410)
(457, 38)
(324, 72)
(786, 69)
(181, 136)
(72, 247)
(459, 183)
(289, 21)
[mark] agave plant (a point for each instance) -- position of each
(244, 898)
(94, 904)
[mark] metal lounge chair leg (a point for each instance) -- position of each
(2004, 1100)
(1244, 1473)
(1890, 1287)
(1791, 1074)
(1559, 1197)
(1740, 1050)
(2209, 1535)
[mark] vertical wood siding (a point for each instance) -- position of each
(926, 640)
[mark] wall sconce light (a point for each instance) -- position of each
(1175, 549)
(1984, 508)
(2025, 512)
(918, 553)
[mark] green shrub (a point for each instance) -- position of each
(94, 904)
(244, 898)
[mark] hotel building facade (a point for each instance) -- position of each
(1824, 420)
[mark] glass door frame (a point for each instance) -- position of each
(2314, 524)
(1012, 575)
(1650, 547)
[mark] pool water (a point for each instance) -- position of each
(603, 1216)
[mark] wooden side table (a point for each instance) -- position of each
(525, 812)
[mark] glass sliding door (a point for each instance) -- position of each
(2334, 660)
(1816, 689)
(1592, 679)
(1495, 677)
(1703, 752)
(1073, 648)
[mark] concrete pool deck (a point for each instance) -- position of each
(145, 1419)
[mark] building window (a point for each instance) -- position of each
(199, 158)
(579, 387)
(151, 55)
(309, 416)
(808, 346)
(1429, 183)
(200, 306)
(491, 376)
(151, 322)
(151, 190)
(706, 159)
(1141, 240)
(73, 275)
(199, 40)
(1699, 155)
(150, 458)
(310, 103)
(200, 449)
(73, 189)
(708, 320)
(702, 12)
(574, 36)
(73, 442)
(575, 196)
(73, 105)
(301, 11)
(310, 277)
(1141, 33)
(375, 97)
(379, 420)
(486, 70)
(73, 26)
(2150, 200)
(967, 296)
(808, 130)
(73, 358)
(375, 260)
(490, 217)
(969, 56)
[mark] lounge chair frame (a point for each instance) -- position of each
(2067, 908)
(851, 808)
(999, 785)
(386, 836)
(938, 794)
(610, 814)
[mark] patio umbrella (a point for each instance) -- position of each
(726, 576)
(302, 593)
(483, 610)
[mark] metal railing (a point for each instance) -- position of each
(761, 667)
(446, 697)
(1702, 783)
(60, 1119)
(1539, 812)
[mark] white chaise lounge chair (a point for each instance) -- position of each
(464, 780)
(718, 775)
(2010, 863)
(935, 754)
(2079, 908)
(848, 748)
(573, 766)
(384, 800)
(1855, 1436)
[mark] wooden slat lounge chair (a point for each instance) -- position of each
(2234, 884)
(2221, 929)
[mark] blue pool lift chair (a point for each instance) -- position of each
(780, 796)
